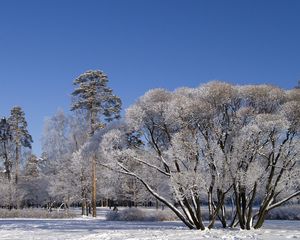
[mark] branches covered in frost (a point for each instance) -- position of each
(217, 143)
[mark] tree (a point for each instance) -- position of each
(55, 143)
(217, 144)
(298, 86)
(5, 137)
(60, 142)
(31, 168)
(20, 135)
(33, 183)
(96, 100)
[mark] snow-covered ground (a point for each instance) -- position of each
(92, 229)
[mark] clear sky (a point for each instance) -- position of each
(140, 44)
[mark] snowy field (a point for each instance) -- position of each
(89, 228)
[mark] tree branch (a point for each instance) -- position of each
(283, 201)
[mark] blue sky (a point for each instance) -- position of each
(140, 44)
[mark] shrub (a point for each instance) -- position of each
(138, 214)
(34, 213)
(287, 212)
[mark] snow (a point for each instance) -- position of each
(92, 229)
(86, 228)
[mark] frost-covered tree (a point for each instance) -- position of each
(65, 167)
(20, 135)
(8, 187)
(56, 153)
(96, 101)
(5, 138)
(55, 145)
(217, 144)
(58, 148)
(32, 168)
(33, 184)
(5, 188)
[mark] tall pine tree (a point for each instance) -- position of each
(96, 100)
(20, 135)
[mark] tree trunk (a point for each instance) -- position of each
(82, 208)
(243, 205)
(198, 222)
(17, 174)
(263, 210)
(261, 219)
(238, 207)
(220, 204)
(17, 164)
(94, 187)
(83, 204)
(86, 209)
(210, 204)
(249, 215)
(223, 216)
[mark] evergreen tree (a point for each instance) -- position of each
(20, 135)
(96, 100)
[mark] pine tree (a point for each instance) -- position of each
(20, 135)
(100, 105)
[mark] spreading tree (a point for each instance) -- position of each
(216, 146)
